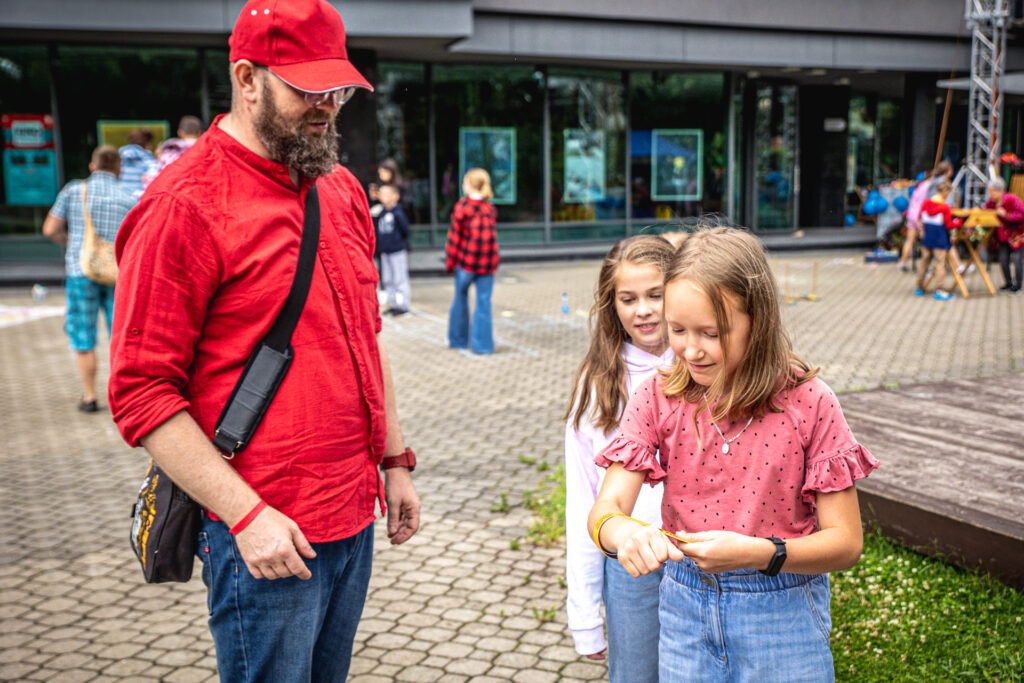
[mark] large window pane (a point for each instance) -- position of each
(588, 153)
(25, 89)
(121, 83)
(402, 129)
(678, 144)
(492, 116)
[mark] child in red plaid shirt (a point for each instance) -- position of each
(472, 255)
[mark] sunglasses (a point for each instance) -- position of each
(337, 98)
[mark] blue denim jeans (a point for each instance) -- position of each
(478, 336)
(631, 614)
(744, 626)
(285, 630)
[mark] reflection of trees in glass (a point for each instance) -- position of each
(862, 142)
(402, 134)
(588, 146)
(156, 83)
(492, 96)
(776, 144)
(889, 140)
(677, 100)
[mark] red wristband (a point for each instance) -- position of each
(244, 522)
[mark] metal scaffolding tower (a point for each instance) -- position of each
(988, 21)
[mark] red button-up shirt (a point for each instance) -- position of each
(206, 261)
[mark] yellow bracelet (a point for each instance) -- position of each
(597, 531)
(608, 515)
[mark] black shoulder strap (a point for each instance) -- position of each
(280, 333)
(269, 361)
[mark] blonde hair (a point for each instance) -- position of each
(676, 237)
(943, 186)
(601, 376)
(480, 181)
(729, 266)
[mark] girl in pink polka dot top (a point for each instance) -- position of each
(758, 465)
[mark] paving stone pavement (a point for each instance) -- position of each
(468, 598)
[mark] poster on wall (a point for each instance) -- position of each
(116, 132)
(584, 166)
(677, 164)
(30, 160)
(494, 150)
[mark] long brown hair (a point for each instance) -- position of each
(729, 266)
(601, 377)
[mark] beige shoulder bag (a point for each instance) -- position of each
(98, 260)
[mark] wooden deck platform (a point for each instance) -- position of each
(952, 476)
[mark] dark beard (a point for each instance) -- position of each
(312, 156)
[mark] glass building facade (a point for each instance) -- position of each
(576, 153)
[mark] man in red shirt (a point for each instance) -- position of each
(206, 261)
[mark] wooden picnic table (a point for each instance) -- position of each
(984, 223)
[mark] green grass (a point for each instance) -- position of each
(547, 503)
(901, 616)
(896, 616)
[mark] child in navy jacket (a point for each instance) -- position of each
(392, 237)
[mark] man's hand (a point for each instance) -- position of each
(271, 545)
(403, 504)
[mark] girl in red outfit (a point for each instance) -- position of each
(472, 255)
(759, 468)
(937, 219)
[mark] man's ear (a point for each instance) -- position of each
(92, 167)
(246, 80)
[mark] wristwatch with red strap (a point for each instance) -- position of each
(404, 459)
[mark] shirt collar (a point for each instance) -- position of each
(275, 170)
(103, 175)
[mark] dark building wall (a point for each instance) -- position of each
(909, 17)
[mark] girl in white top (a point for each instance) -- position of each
(629, 342)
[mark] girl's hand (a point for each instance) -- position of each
(721, 551)
(644, 549)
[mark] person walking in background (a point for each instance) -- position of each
(921, 193)
(392, 239)
(137, 161)
(1010, 233)
(937, 220)
(471, 253)
(107, 205)
(628, 343)
(388, 173)
(208, 258)
(189, 130)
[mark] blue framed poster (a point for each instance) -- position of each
(677, 164)
(494, 150)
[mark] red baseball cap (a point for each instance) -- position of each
(301, 41)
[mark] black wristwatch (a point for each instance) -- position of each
(775, 566)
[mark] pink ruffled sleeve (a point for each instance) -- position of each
(834, 459)
(636, 445)
(837, 473)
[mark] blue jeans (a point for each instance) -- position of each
(285, 630)
(744, 626)
(478, 336)
(631, 614)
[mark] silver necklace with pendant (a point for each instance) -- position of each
(725, 441)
